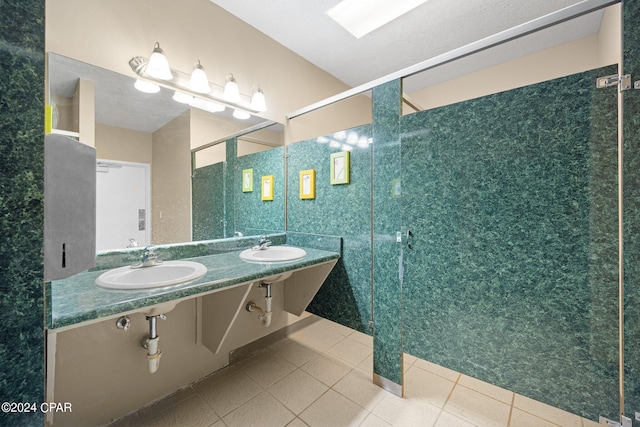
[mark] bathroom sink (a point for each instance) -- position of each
(165, 274)
(273, 254)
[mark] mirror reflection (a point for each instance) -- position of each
(218, 170)
(144, 144)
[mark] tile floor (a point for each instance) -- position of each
(321, 376)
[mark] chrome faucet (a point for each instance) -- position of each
(148, 258)
(263, 244)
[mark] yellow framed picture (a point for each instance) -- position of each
(247, 180)
(267, 187)
(308, 184)
(340, 168)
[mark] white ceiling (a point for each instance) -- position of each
(434, 28)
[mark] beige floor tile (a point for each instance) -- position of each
(297, 390)
(590, 423)
(293, 351)
(333, 409)
(520, 418)
(408, 360)
(326, 369)
(297, 423)
(268, 369)
(490, 390)
(405, 412)
(374, 421)
(155, 410)
(437, 369)
(350, 351)
(261, 411)
(362, 338)
(193, 411)
(132, 420)
(449, 420)
(546, 412)
(427, 386)
(183, 408)
(477, 408)
(335, 327)
(317, 336)
(227, 390)
(366, 365)
(360, 388)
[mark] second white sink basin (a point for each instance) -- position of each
(165, 274)
(273, 254)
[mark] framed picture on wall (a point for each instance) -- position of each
(308, 184)
(247, 180)
(267, 187)
(340, 168)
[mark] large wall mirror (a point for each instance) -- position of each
(145, 144)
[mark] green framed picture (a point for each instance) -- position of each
(340, 168)
(247, 180)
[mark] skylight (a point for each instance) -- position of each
(360, 17)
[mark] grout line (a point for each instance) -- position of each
(513, 400)
(455, 384)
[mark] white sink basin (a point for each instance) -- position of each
(273, 254)
(165, 274)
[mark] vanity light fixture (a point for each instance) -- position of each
(258, 102)
(231, 91)
(199, 82)
(195, 89)
(158, 66)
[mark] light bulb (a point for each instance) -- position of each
(158, 66)
(146, 87)
(231, 91)
(182, 97)
(241, 115)
(199, 81)
(258, 102)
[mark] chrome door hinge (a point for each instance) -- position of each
(613, 80)
(626, 422)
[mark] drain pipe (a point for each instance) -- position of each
(151, 343)
(265, 317)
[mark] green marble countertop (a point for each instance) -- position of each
(78, 299)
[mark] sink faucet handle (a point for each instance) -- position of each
(263, 243)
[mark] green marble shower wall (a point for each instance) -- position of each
(631, 202)
(207, 202)
(21, 207)
(512, 274)
(252, 214)
(343, 210)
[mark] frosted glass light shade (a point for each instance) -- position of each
(182, 98)
(231, 91)
(158, 66)
(258, 102)
(242, 115)
(199, 82)
(146, 87)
